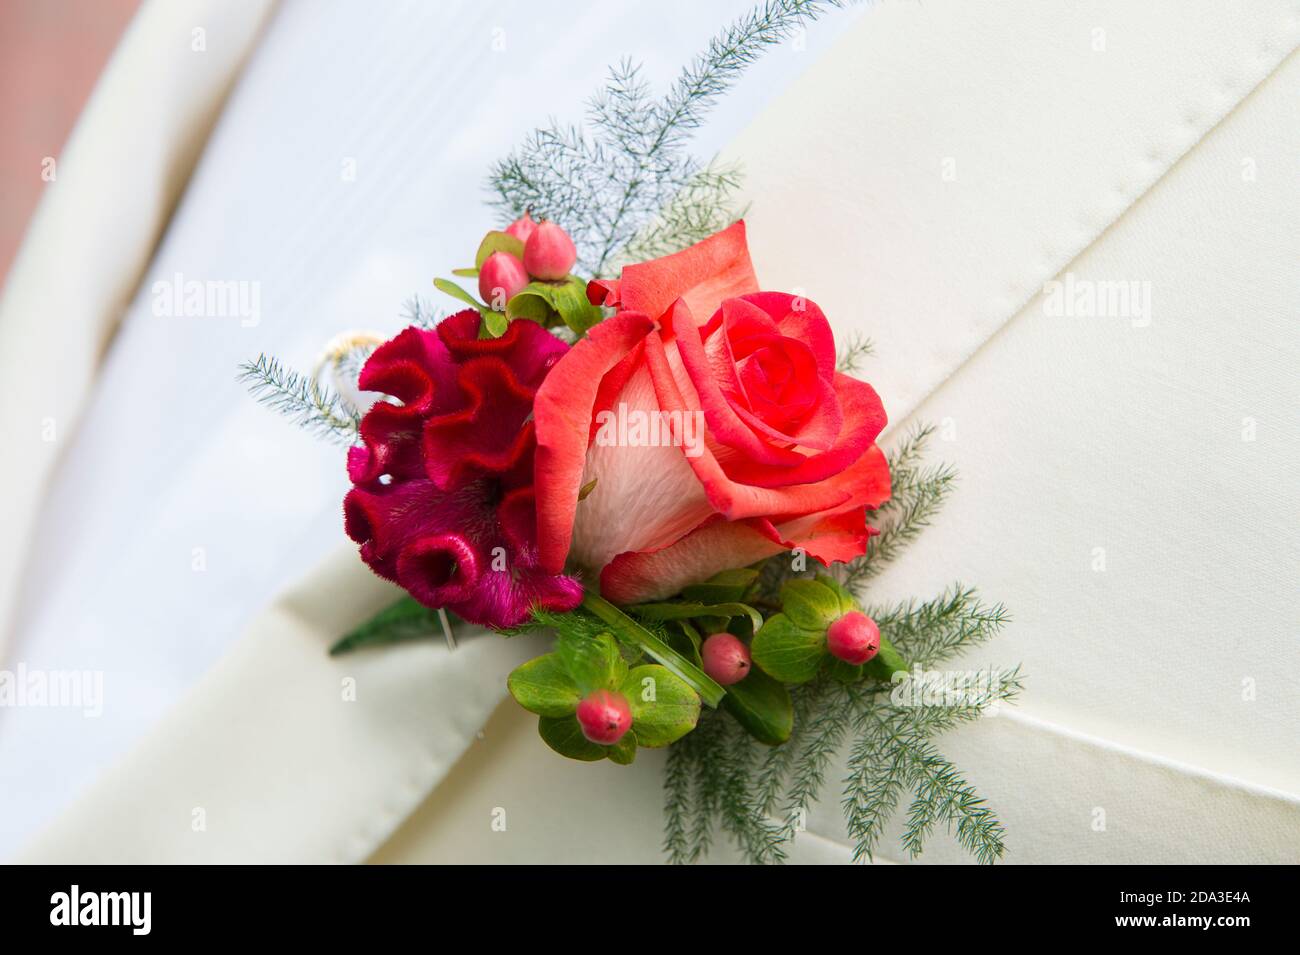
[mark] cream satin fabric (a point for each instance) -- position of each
(921, 182)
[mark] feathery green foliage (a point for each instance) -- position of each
(917, 494)
(301, 398)
(918, 491)
(884, 733)
(624, 179)
(679, 804)
(854, 352)
(718, 777)
(418, 310)
(702, 207)
(930, 632)
(759, 837)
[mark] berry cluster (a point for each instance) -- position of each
(549, 254)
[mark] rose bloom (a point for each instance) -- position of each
(788, 456)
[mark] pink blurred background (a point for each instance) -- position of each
(51, 54)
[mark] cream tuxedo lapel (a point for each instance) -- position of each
(285, 754)
(926, 178)
(1082, 436)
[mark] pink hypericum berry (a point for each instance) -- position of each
(726, 658)
(604, 717)
(549, 253)
(854, 638)
(522, 227)
(501, 277)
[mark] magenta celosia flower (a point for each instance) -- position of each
(442, 501)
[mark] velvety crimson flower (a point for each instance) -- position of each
(787, 458)
(443, 500)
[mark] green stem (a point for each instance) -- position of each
(632, 633)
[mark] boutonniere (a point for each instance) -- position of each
(675, 472)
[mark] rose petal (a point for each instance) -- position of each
(818, 432)
(863, 420)
(829, 539)
(798, 318)
(725, 425)
(562, 411)
(634, 577)
(704, 275)
(738, 500)
(717, 544)
(604, 292)
(645, 493)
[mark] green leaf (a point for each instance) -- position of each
(567, 299)
(405, 620)
(495, 323)
(592, 663)
(690, 642)
(664, 708)
(532, 306)
(624, 751)
(630, 632)
(727, 587)
(840, 670)
(762, 706)
(564, 735)
(886, 662)
(458, 293)
(543, 686)
(847, 602)
(810, 604)
(630, 653)
(691, 611)
(497, 242)
(465, 273)
(787, 651)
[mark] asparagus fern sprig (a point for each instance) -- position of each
(878, 737)
(300, 398)
(624, 182)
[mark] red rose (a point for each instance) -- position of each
(713, 422)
